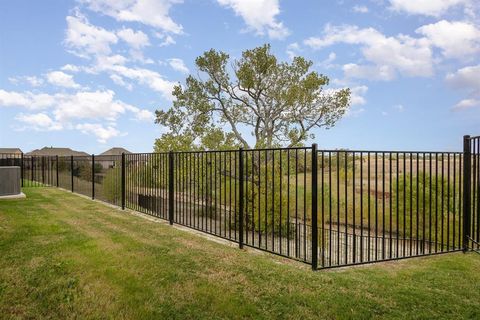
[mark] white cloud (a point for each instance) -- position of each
(85, 39)
(373, 72)
(102, 133)
(61, 79)
(152, 79)
(360, 9)
(426, 7)
(467, 78)
(70, 107)
(166, 39)
(135, 39)
(456, 39)
(119, 81)
(137, 55)
(292, 50)
(39, 122)
(88, 105)
(358, 95)
(154, 13)
(178, 65)
(70, 68)
(65, 110)
(144, 115)
(25, 99)
(327, 63)
(390, 55)
(467, 104)
(259, 16)
(31, 80)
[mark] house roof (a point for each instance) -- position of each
(116, 151)
(10, 150)
(51, 151)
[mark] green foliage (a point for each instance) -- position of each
(112, 188)
(438, 196)
(84, 171)
(279, 102)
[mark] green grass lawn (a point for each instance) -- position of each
(63, 256)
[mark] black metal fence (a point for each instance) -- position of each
(327, 208)
(471, 199)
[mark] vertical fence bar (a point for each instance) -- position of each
(123, 181)
(43, 169)
(314, 207)
(32, 172)
(170, 187)
(71, 171)
(93, 176)
(56, 160)
(240, 197)
(21, 168)
(466, 190)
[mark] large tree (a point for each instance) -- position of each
(279, 103)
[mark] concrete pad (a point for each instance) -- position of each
(21, 195)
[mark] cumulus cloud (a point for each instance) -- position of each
(65, 110)
(467, 104)
(84, 39)
(27, 99)
(119, 81)
(400, 54)
(61, 79)
(360, 9)
(154, 13)
(152, 79)
(38, 121)
(466, 79)
(292, 50)
(456, 39)
(259, 16)
(178, 65)
(70, 68)
(103, 133)
(144, 115)
(135, 39)
(426, 7)
(33, 81)
(358, 95)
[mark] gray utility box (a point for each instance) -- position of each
(10, 181)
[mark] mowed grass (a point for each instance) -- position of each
(63, 256)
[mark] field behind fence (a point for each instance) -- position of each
(326, 208)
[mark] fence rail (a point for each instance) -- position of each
(327, 208)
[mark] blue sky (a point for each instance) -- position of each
(89, 74)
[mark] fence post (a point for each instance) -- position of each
(467, 176)
(21, 168)
(314, 207)
(43, 169)
(171, 190)
(123, 181)
(93, 176)
(32, 171)
(71, 170)
(240, 197)
(56, 159)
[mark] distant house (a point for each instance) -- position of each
(10, 156)
(4, 152)
(61, 152)
(108, 158)
(116, 151)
